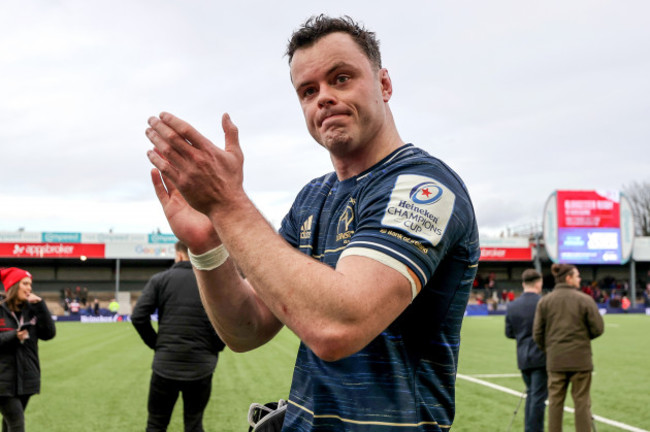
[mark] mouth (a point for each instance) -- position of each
(331, 117)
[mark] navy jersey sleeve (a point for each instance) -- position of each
(288, 228)
(409, 219)
(300, 223)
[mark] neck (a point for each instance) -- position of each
(180, 256)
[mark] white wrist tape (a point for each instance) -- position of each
(211, 259)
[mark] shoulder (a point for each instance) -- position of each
(420, 194)
(586, 299)
(413, 161)
(318, 185)
(413, 178)
(515, 303)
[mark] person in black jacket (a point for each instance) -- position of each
(186, 345)
(530, 359)
(24, 319)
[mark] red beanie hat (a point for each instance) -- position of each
(10, 276)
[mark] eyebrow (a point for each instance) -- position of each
(335, 66)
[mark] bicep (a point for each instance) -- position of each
(381, 293)
(368, 296)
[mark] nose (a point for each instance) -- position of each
(326, 97)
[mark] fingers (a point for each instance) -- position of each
(174, 141)
(175, 144)
(159, 186)
(232, 135)
(162, 147)
(183, 129)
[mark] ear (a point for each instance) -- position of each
(386, 84)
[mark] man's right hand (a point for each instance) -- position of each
(188, 225)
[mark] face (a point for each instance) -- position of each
(573, 279)
(343, 97)
(24, 289)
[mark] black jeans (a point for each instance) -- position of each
(163, 394)
(536, 393)
(13, 413)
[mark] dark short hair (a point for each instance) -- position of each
(561, 271)
(181, 247)
(530, 275)
(322, 25)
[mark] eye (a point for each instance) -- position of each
(340, 79)
(308, 92)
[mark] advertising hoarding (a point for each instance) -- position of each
(21, 244)
(506, 249)
(51, 250)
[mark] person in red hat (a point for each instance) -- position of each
(24, 319)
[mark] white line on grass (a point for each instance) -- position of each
(567, 409)
(496, 375)
(501, 375)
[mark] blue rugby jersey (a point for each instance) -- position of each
(413, 213)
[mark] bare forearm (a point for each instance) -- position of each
(242, 321)
(325, 307)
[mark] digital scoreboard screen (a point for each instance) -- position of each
(589, 227)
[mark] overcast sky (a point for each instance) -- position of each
(519, 97)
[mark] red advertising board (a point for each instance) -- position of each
(588, 209)
(51, 250)
(506, 254)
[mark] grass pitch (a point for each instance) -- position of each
(95, 377)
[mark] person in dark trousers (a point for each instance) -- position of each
(566, 320)
(530, 359)
(24, 319)
(186, 345)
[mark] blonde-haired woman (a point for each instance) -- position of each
(24, 319)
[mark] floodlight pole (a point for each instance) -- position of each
(117, 278)
(632, 283)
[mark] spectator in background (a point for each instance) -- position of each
(520, 315)
(96, 307)
(625, 303)
(24, 319)
(186, 346)
(478, 283)
(491, 286)
(113, 306)
(75, 306)
(566, 320)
